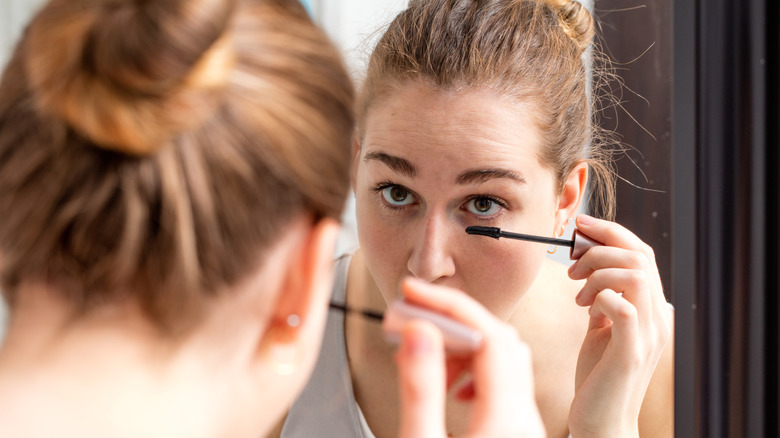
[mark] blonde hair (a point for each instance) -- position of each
(529, 50)
(155, 149)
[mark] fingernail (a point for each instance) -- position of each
(572, 267)
(577, 298)
(584, 219)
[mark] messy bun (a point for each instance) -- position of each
(155, 149)
(576, 20)
(530, 50)
(129, 74)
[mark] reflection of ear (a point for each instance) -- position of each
(572, 193)
(355, 158)
(295, 328)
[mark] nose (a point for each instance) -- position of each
(431, 258)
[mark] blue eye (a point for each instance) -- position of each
(397, 195)
(483, 206)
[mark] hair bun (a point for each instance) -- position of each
(129, 74)
(577, 21)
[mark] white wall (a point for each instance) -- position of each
(353, 25)
(13, 16)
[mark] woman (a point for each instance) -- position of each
(478, 113)
(170, 178)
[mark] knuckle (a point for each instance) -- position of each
(626, 313)
(638, 260)
(637, 280)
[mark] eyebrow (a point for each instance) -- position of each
(482, 175)
(397, 164)
(404, 167)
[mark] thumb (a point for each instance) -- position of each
(422, 381)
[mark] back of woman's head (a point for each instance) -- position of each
(155, 149)
(528, 50)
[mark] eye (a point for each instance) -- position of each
(397, 195)
(484, 206)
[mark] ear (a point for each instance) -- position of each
(355, 158)
(294, 332)
(572, 194)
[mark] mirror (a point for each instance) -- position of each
(639, 41)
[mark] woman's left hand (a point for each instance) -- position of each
(630, 326)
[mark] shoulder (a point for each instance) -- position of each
(553, 294)
(548, 316)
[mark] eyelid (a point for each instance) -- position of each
(496, 199)
(378, 187)
(382, 186)
(502, 206)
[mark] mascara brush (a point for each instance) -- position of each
(579, 244)
(376, 316)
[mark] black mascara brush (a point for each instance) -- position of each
(366, 313)
(579, 244)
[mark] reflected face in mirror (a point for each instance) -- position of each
(433, 162)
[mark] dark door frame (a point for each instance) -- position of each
(719, 196)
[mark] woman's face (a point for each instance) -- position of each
(432, 163)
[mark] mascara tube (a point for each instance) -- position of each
(458, 337)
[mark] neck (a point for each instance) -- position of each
(110, 373)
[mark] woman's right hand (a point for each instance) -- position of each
(501, 379)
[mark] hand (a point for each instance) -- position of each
(501, 386)
(630, 324)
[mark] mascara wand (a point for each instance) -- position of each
(579, 244)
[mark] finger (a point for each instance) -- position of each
(612, 234)
(503, 397)
(421, 377)
(450, 302)
(625, 325)
(502, 392)
(632, 283)
(603, 257)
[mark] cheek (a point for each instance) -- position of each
(382, 250)
(498, 275)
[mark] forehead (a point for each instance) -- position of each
(474, 125)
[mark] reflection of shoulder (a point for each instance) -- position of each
(557, 274)
(550, 302)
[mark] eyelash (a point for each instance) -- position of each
(377, 189)
(491, 198)
(387, 184)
